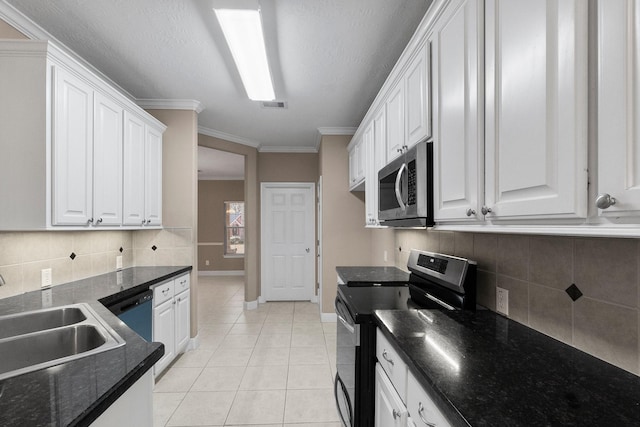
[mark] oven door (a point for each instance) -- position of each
(347, 342)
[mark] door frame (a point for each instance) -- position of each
(286, 185)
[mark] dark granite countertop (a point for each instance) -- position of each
(77, 392)
(485, 370)
(369, 275)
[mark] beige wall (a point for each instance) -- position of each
(345, 241)
(537, 269)
(8, 32)
(252, 247)
(288, 167)
(211, 218)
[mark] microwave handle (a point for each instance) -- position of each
(397, 188)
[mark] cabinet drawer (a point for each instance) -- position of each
(163, 292)
(422, 409)
(182, 283)
(392, 364)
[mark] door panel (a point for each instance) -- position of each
(288, 241)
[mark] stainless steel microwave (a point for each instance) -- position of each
(406, 188)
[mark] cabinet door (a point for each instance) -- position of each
(418, 103)
(107, 165)
(183, 312)
(164, 331)
(395, 122)
(389, 409)
(421, 407)
(153, 176)
(356, 164)
(72, 150)
(371, 177)
(134, 166)
(618, 106)
(380, 139)
(457, 51)
(536, 100)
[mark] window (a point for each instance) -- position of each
(234, 229)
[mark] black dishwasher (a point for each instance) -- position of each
(136, 312)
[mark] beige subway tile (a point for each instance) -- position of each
(11, 248)
(463, 245)
(82, 242)
(60, 244)
(513, 256)
(164, 256)
(62, 270)
(144, 257)
(550, 312)
(127, 240)
(607, 269)
(12, 275)
(99, 241)
(607, 331)
(32, 275)
(183, 237)
(164, 239)
(447, 242)
(35, 246)
(100, 263)
(551, 261)
(518, 298)
(485, 247)
(127, 258)
(486, 289)
(144, 239)
(81, 267)
(183, 256)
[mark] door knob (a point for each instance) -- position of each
(604, 201)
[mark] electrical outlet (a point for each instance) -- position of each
(206, 262)
(502, 301)
(45, 278)
(386, 256)
(119, 262)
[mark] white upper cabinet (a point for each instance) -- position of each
(153, 176)
(63, 130)
(417, 94)
(134, 170)
(395, 122)
(357, 159)
(457, 49)
(536, 109)
(107, 165)
(618, 108)
(371, 178)
(72, 150)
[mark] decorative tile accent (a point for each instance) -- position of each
(573, 292)
(121, 250)
(72, 256)
(154, 247)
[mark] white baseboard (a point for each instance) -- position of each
(314, 299)
(194, 343)
(328, 317)
(221, 273)
(262, 299)
(251, 305)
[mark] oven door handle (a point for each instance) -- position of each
(338, 381)
(346, 324)
(397, 187)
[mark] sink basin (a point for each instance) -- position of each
(34, 321)
(45, 338)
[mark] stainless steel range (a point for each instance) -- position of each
(437, 281)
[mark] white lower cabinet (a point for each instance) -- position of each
(390, 410)
(133, 408)
(171, 319)
(422, 410)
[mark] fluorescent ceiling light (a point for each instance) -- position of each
(243, 30)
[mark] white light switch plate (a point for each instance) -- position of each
(45, 278)
(502, 301)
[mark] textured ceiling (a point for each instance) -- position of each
(329, 57)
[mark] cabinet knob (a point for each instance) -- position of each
(604, 201)
(470, 212)
(307, 250)
(485, 210)
(396, 414)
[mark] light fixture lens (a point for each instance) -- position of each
(243, 30)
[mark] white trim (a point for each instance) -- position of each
(228, 137)
(250, 305)
(287, 149)
(328, 317)
(194, 343)
(549, 230)
(220, 178)
(221, 273)
(171, 104)
(262, 299)
(210, 243)
(314, 298)
(333, 131)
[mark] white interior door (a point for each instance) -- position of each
(288, 241)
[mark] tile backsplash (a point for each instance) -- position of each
(537, 270)
(74, 255)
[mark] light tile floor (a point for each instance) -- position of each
(269, 367)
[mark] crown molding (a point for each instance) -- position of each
(333, 131)
(228, 137)
(287, 149)
(171, 104)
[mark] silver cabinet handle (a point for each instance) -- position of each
(307, 250)
(604, 201)
(396, 414)
(485, 210)
(420, 411)
(90, 221)
(99, 220)
(470, 212)
(384, 355)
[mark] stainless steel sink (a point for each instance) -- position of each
(34, 321)
(56, 336)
